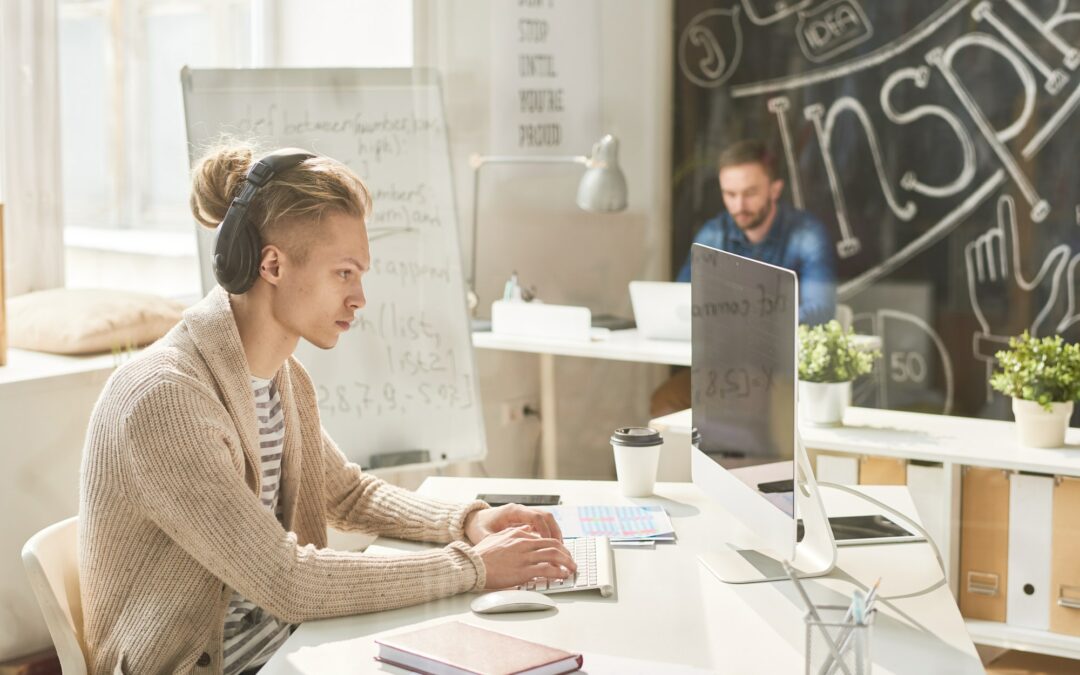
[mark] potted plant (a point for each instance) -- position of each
(829, 360)
(1043, 377)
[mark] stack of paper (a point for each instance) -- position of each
(620, 524)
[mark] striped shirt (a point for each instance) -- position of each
(252, 635)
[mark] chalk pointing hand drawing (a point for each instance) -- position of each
(992, 282)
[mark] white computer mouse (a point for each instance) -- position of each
(511, 601)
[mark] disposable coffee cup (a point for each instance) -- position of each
(637, 452)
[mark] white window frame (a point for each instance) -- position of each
(29, 144)
(131, 238)
(33, 238)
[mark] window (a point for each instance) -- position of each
(124, 143)
(356, 33)
(125, 161)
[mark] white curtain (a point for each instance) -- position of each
(30, 115)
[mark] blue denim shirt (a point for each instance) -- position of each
(797, 241)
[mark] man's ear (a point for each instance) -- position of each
(776, 188)
(270, 264)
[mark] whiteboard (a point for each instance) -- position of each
(403, 377)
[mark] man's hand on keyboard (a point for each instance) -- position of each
(480, 524)
(514, 556)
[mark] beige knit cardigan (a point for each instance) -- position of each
(170, 521)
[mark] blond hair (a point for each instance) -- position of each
(284, 210)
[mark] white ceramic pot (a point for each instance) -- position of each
(823, 404)
(1040, 428)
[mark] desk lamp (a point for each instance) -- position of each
(602, 188)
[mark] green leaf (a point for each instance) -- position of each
(1045, 370)
(827, 353)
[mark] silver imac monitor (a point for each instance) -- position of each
(744, 316)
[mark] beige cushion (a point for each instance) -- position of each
(85, 321)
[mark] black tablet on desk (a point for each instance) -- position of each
(867, 529)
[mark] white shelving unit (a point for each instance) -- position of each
(956, 442)
(997, 634)
(942, 438)
(952, 442)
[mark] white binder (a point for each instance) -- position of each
(842, 469)
(1031, 510)
(926, 483)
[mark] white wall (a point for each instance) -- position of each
(529, 223)
(342, 33)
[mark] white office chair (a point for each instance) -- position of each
(51, 561)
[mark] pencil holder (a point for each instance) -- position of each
(835, 646)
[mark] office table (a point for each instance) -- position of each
(668, 609)
(937, 448)
(618, 345)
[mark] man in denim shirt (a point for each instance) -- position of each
(756, 225)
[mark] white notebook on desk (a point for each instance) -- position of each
(540, 320)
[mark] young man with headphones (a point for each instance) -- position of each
(207, 481)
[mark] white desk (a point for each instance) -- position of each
(668, 608)
(952, 442)
(620, 345)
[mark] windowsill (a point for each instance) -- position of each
(29, 366)
(159, 262)
(139, 242)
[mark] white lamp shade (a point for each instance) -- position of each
(603, 186)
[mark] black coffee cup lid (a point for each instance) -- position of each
(637, 437)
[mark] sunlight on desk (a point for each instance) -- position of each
(694, 621)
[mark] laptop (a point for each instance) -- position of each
(661, 309)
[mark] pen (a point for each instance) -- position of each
(802, 591)
(858, 606)
(871, 596)
(858, 611)
(834, 660)
(812, 611)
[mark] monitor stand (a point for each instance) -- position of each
(815, 555)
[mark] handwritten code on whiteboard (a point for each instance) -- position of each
(403, 376)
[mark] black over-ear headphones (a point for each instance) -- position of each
(238, 247)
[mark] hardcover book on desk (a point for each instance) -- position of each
(457, 648)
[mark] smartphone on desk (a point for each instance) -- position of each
(524, 500)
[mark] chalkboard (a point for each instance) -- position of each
(403, 378)
(933, 138)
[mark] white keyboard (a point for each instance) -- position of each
(595, 569)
